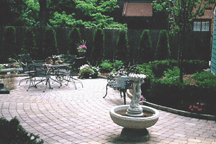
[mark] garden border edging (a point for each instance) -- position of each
(176, 111)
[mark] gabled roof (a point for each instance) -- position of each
(137, 9)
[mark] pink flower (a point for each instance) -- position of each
(190, 106)
(197, 102)
(83, 46)
(192, 109)
(143, 100)
(141, 96)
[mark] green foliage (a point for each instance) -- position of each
(145, 53)
(122, 48)
(63, 20)
(29, 41)
(163, 48)
(105, 66)
(75, 38)
(9, 34)
(146, 69)
(50, 43)
(11, 132)
(98, 48)
(205, 80)
(2, 67)
(11, 12)
(88, 14)
(117, 64)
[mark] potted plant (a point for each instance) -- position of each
(82, 48)
(85, 71)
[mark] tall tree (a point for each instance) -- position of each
(181, 14)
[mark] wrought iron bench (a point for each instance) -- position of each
(120, 82)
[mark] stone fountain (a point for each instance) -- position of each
(134, 120)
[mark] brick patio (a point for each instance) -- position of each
(65, 115)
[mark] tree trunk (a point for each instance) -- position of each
(43, 10)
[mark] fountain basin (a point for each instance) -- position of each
(134, 122)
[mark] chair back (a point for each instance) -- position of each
(25, 59)
(40, 69)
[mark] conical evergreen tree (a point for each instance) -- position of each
(163, 48)
(145, 53)
(75, 39)
(29, 41)
(50, 43)
(122, 48)
(9, 40)
(97, 51)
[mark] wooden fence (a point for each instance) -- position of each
(197, 44)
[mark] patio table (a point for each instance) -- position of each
(46, 71)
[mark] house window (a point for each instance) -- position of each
(201, 25)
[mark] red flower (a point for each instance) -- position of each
(199, 109)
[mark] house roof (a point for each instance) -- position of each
(137, 9)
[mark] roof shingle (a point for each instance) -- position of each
(137, 9)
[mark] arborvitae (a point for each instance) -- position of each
(50, 43)
(145, 53)
(29, 41)
(163, 48)
(122, 48)
(97, 51)
(75, 39)
(9, 49)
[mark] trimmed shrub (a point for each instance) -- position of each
(205, 80)
(75, 38)
(163, 48)
(122, 48)
(145, 53)
(50, 43)
(9, 48)
(29, 41)
(11, 132)
(105, 66)
(98, 48)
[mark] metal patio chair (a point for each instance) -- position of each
(41, 74)
(25, 60)
(67, 74)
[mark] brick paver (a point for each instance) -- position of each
(66, 115)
